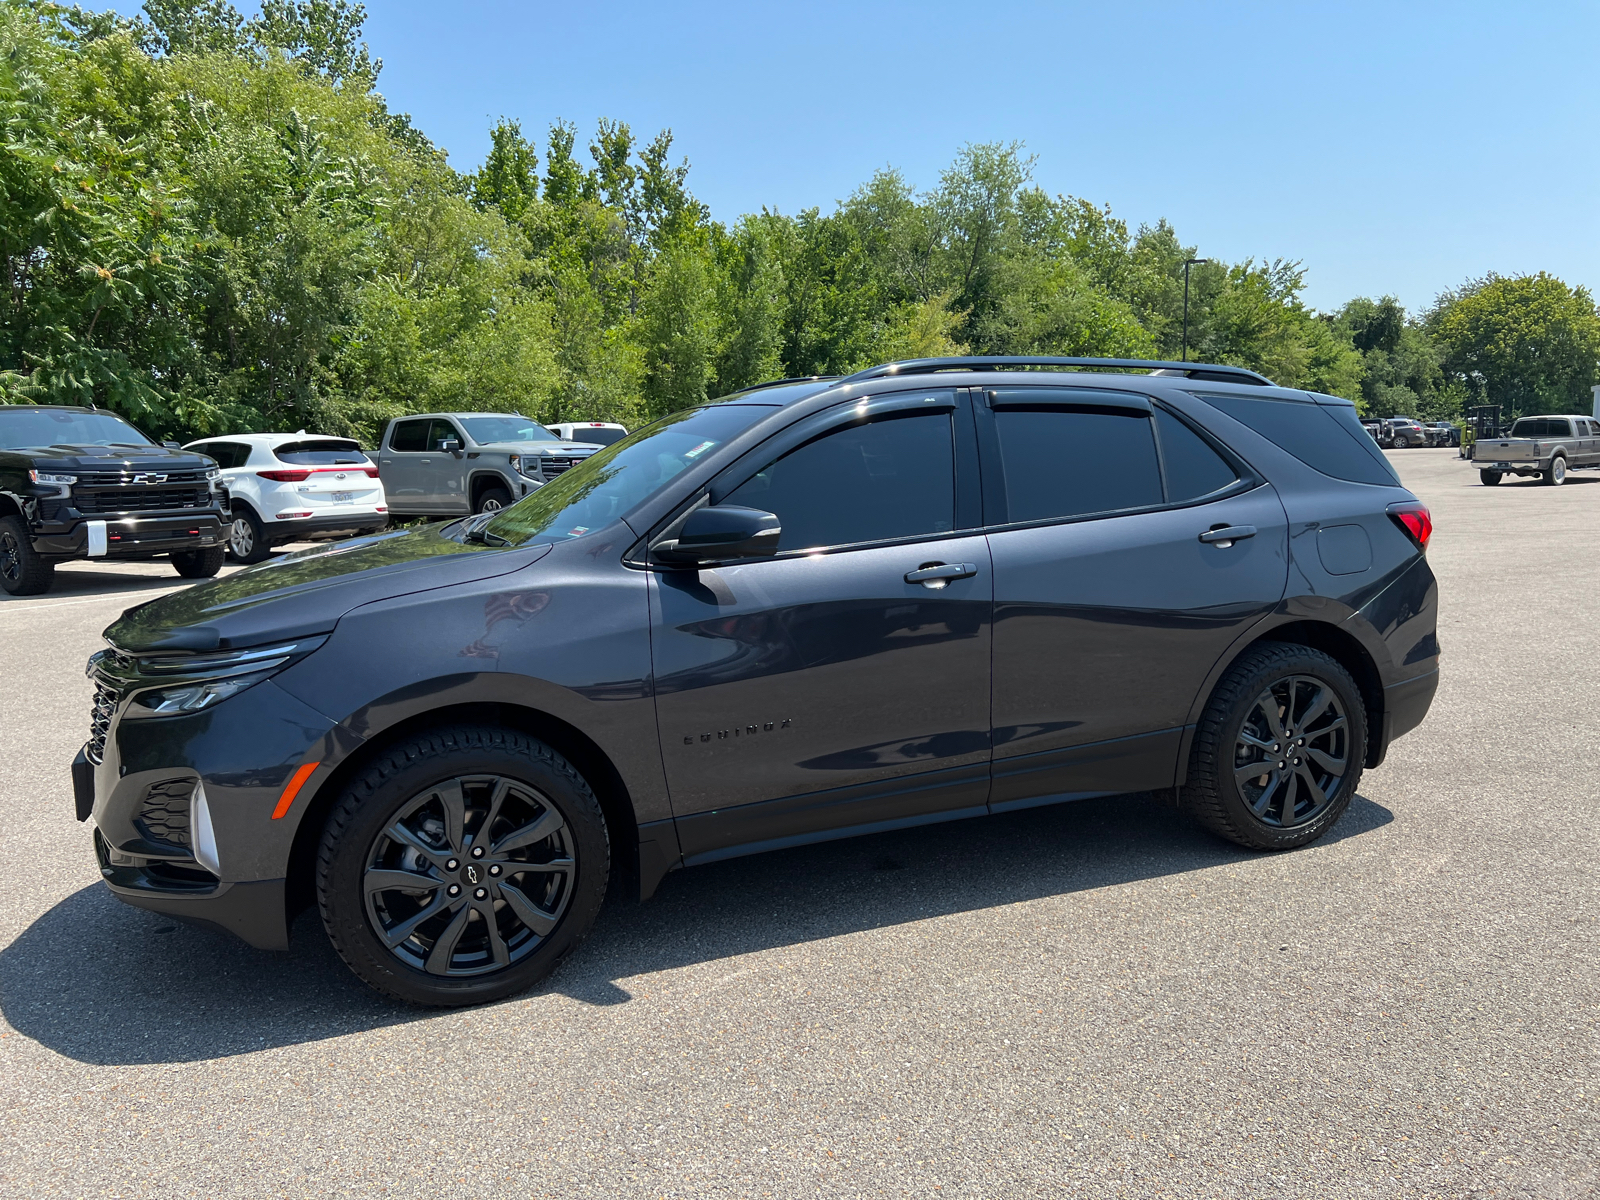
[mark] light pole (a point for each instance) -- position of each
(1187, 263)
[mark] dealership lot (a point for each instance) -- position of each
(1092, 1000)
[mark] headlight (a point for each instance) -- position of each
(64, 482)
(214, 474)
(170, 685)
(527, 467)
(192, 697)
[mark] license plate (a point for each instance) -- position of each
(1503, 466)
(343, 497)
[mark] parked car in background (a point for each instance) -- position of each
(926, 592)
(598, 433)
(451, 464)
(1544, 446)
(294, 487)
(1376, 431)
(81, 483)
(1404, 432)
(1443, 433)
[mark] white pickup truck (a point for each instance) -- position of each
(1548, 447)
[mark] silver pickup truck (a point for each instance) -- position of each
(452, 464)
(1548, 447)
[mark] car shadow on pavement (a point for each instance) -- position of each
(103, 983)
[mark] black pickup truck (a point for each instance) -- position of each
(82, 483)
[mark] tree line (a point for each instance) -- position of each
(213, 224)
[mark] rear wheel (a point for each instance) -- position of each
(462, 866)
(494, 499)
(1400, 442)
(247, 541)
(1490, 478)
(1557, 474)
(199, 564)
(22, 571)
(1278, 752)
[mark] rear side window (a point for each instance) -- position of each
(409, 435)
(321, 452)
(1541, 427)
(1071, 463)
(226, 454)
(1193, 469)
(891, 478)
(1325, 437)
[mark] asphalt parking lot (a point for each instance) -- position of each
(1092, 1000)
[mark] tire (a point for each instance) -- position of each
(199, 564)
(493, 499)
(1235, 731)
(1490, 478)
(1400, 442)
(1557, 474)
(247, 540)
(392, 823)
(22, 571)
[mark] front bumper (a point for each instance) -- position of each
(131, 537)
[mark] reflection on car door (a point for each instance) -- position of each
(1110, 610)
(824, 688)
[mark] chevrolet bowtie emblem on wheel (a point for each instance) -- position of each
(148, 479)
(472, 873)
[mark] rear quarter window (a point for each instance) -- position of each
(1327, 438)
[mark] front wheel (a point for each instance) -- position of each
(247, 540)
(1279, 749)
(199, 564)
(494, 499)
(1557, 474)
(462, 866)
(1489, 478)
(22, 571)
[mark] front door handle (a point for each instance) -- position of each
(1228, 535)
(936, 575)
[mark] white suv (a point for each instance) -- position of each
(295, 487)
(595, 433)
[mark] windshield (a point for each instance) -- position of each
(55, 427)
(505, 429)
(1537, 427)
(616, 480)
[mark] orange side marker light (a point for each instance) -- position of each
(297, 782)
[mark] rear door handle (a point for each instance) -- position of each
(936, 575)
(1228, 535)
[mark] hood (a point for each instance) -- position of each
(542, 447)
(116, 458)
(303, 594)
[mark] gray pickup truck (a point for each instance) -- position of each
(1548, 447)
(452, 464)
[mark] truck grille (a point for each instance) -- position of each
(137, 478)
(139, 499)
(554, 466)
(164, 814)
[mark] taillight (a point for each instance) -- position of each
(372, 472)
(1414, 518)
(285, 476)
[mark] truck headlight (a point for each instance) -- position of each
(62, 483)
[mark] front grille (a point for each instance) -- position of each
(107, 695)
(164, 813)
(127, 478)
(554, 466)
(140, 499)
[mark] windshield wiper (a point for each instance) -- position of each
(480, 534)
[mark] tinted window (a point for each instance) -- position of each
(614, 481)
(1064, 463)
(505, 429)
(237, 453)
(85, 427)
(598, 437)
(1325, 437)
(320, 452)
(1540, 427)
(1193, 469)
(441, 432)
(890, 478)
(409, 435)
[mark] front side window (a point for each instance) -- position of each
(1071, 463)
(409, 436)
(41, 428)
(485, 430)
(889, 478)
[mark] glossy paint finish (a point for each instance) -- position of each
(805, 696)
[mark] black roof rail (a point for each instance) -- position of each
(1210, 372)
(771, 383)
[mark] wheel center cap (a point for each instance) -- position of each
(473, 874)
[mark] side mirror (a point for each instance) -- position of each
(451, 446)
(172, 445)
(722, 533)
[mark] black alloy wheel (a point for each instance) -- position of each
(1279, 749)
(1490, 478)
(462, 866)
(494, 499)
(22, 571)
(247, 541)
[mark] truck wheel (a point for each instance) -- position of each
(462, 866)
(22, 571)
(247, 541)
(1557, 474)
(494, 499)
(1490, 478)
(199, 564)
(1278, 752)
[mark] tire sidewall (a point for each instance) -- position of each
(1254, 678)
(259, 550)
(370, 803)
(499, 494)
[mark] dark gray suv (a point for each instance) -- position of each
(925, 592)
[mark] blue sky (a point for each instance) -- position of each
(1394, 148)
